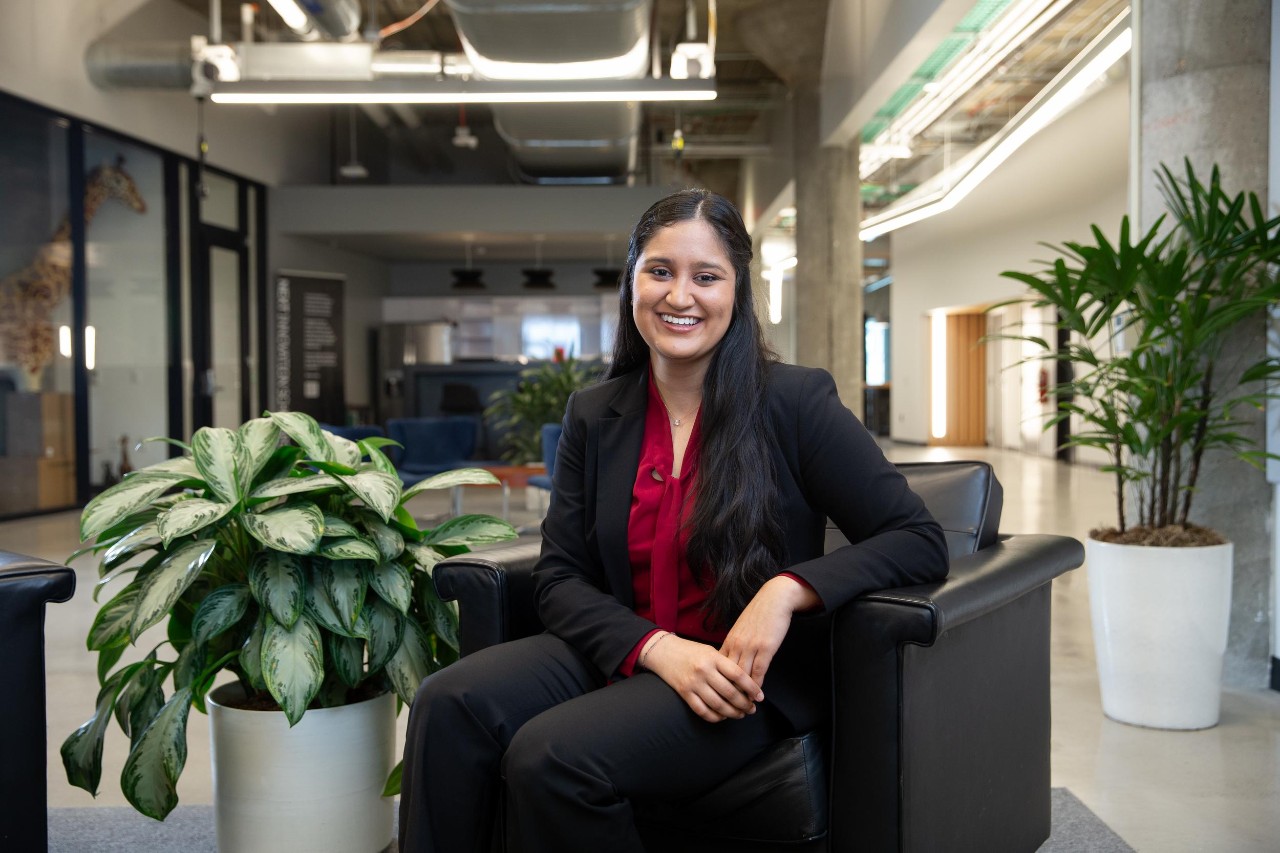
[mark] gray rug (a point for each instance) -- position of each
(190, 829)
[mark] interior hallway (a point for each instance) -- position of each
(1215, 790)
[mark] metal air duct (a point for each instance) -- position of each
(597, 39)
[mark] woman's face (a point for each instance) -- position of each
(682, 295)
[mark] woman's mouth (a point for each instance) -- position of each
(680, 321)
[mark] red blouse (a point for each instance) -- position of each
(664, 586)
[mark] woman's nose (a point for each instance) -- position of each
(680, 293)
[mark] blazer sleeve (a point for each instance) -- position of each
(843, 473)
(573, 595)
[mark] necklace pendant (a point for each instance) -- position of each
(675, 422)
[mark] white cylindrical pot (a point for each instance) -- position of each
(1160, 618)
(314, 787)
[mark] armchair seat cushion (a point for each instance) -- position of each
(780, 797)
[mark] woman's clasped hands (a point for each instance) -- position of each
(726, 683)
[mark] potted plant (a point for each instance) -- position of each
(539, 397)
(294, 566)
(1149, 385)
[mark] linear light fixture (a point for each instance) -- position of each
(406, 91)
(292, 13)
(1018, 24)
(1108, 48)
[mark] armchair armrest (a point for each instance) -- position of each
(26, 585)
(943, 690)
(494, 591)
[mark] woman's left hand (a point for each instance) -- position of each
(760, 629)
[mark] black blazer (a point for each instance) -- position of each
(827, 466)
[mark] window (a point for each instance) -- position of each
(543, 334)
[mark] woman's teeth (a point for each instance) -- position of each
(679, 321)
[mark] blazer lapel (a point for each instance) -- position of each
(621, 434)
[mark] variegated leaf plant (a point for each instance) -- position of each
(278, 552)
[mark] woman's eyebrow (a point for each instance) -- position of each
(699, 264)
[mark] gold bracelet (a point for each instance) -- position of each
(645, 653)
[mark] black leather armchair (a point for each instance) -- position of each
(940, 731)
(26, 584)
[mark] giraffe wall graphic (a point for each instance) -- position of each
(29, 296)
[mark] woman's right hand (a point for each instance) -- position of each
(715, 687)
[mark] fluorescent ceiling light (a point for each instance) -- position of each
(629, 65)
(294, 17)
(403, 91)
(1017, 25)
(1069, 86)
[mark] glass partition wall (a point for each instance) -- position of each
(129, 305)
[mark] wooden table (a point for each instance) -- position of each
(508, 476)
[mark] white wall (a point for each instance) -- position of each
(42, 46)
(1071, 175)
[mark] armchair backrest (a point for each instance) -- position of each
(965, 497)
(550, 441)
(434, 441)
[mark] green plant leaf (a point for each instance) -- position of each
(344, 583)
(303, 429)
(450, 479)
(350, 549)
(187, 517)
(335, 526)
(221, 609)
(120, 501)
(325, 614)
(110, 627)
(150, 776)
(251, 654)
(410, 663)
(140, 700)
(424, 555)
(183, 465)
(345, 451)
(378, 459)
(392, 788)
(220, 458)
(440, 615)
(295, 485)
(346, 655)
(190, 663)
(471, 530)
(259, 437)
(379, 491)
(108, 658)
(144, 536)
(161, 588)
(393, 583)
(388, 540)
(384, 628)
(278, 583)
(82, 750)
(294, 529)
(292, 664)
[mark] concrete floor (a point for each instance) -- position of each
(1214, 790)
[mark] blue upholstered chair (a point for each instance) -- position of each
(432, 445)
(550, 440)
(355, 433)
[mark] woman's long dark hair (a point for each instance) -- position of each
(735, 537)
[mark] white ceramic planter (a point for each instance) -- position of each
(1160, 618)
(315, 787)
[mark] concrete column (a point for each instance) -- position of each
(828, 277)
(1203, 93)
(789, 38)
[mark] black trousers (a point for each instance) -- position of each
(535, 720)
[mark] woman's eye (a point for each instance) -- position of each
(707, 278)
(662, 272)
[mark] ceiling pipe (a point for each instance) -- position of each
(139, 65)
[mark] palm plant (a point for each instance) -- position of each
(540, 397)
(1150, 321)
(295, 566)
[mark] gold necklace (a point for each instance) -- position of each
(675, 422)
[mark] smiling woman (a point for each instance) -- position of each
(684, 533)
